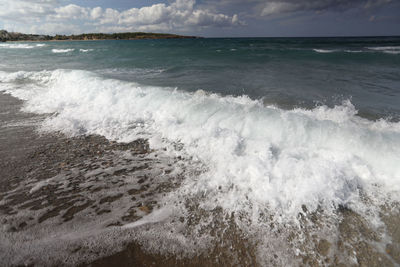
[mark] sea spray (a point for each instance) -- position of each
(257, 156)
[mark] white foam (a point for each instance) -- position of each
(256, 156)
(20, 46)
(386, 49)
(154, 217)
(16, 46)
(62, 50)
(379, 48)
(85, 50)
(324, 50)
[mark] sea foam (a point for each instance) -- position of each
(324, 50)
(386, 49)
(20, 46)
(57, 51)
(257, 157)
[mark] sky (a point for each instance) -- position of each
(224, 18)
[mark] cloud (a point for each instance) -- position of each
(180, 15)
(96, 12)
(177, 15)
(205, 18)
(289, 6)
(25, 10)
(69, 12)
(276, 7)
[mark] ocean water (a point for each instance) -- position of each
(276, 126)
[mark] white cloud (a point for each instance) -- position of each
(110, 16)
(205, 18)
(69, 12)
(179, 15)
(96, 12)
(150, 15)
(25, 10)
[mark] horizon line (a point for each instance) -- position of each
(199, 36)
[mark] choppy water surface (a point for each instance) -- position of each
(274, 130)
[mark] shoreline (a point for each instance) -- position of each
(45, 41)
(14, 36)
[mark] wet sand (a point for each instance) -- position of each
(29, 158)
(63, 202)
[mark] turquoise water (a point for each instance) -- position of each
(288, 72)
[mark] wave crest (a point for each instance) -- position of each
(263, 155)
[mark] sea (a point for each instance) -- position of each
(271, 132)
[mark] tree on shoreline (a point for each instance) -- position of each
(13, 36)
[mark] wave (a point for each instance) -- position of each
(256, 156)
(62, 50)
(386, 49)
(336, 50)
(354, 51)
(20, 46)
(324, 50)
(85, 50)
(380, 48)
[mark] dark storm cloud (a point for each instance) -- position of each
(276, 7)
(285, 6)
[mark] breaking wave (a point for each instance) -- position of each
(324, 50)
(256, 156)
(386, 49)
(62, 50)
(20, 46)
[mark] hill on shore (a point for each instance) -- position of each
(15, 36)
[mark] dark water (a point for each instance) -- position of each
(285, 71)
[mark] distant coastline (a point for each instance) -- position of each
(6, 36)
